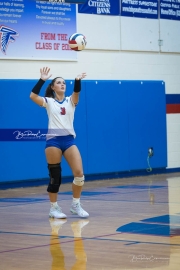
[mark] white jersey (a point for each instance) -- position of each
(61, 116)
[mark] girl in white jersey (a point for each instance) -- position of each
(60, 138)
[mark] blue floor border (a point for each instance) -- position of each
(92, 177)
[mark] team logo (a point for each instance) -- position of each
(7, 35)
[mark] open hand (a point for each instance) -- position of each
(81, 76)
(45, 73)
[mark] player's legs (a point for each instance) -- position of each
(53, 157)
(74, 160)
(73, 157)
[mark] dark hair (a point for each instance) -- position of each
(49, 91)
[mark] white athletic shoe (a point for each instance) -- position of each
(56, 212)
(78, 210)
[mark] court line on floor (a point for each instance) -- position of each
(87, 238)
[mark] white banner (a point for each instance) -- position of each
(36, 30)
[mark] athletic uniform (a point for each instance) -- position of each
(61, 132)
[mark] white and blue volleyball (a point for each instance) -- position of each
(77, 42)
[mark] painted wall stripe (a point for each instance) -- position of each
(172, 103)
(173, 99)
(172, 108)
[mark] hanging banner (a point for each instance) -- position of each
(36, 30)
(170, 9)
(140, 9)
(100, 7)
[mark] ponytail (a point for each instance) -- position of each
(49, 92)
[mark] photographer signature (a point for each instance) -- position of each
(28, 133)
(146, 258)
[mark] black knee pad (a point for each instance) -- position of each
(55, 177)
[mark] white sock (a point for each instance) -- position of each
(54, 204)
(76, 200)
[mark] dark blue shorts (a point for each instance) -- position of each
(61, 142)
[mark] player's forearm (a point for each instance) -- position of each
(75, 98)
(37, 88)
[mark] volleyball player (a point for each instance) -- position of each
(60, 139)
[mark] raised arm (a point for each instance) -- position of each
(77, 88)
(34, 96)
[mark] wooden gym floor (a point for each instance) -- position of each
(134, 223)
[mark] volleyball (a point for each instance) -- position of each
(77, 42)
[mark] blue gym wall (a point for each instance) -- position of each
(115, 122)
